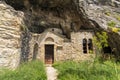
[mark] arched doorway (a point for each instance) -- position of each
(49, 50)
(35, 51)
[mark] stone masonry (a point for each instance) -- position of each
(63, 48)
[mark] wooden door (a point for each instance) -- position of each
(49, 54)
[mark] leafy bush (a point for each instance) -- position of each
(100, 41)
(70, 70)
(115, 30)
(27, 71)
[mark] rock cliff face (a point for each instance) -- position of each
(105, 12)
(72, 15)
(102, 11)
(10, 21)
(68, 15)
(42, 14)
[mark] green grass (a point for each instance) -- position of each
(70, 70)
(34, 70)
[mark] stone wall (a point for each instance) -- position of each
(70, 50)
(10, 22)
(32, 43)
(74, 49)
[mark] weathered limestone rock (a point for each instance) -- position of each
(10, 22)
(101, 13)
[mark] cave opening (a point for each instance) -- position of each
(107, 50)
(37, 29)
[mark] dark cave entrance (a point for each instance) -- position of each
(37, 29)
(107, 50)
(107, 53)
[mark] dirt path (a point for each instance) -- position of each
(51, 73)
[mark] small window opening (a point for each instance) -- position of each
(85, 46)
(90, 44)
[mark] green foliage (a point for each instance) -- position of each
(23, 28)
(107, 13)
(91, 52)
(70, 70)
(111, 24)
(100, 40)
(27, 71)
(115, 30)
(117, 17)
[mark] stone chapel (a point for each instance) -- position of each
(51, 46)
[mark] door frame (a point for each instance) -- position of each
(53, 54)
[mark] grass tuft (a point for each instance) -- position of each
(34, 70)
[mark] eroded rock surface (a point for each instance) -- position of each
(10, 21)
(104, 12)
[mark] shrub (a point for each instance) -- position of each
(112, 25)
(115, 30)
(70, 70)
(27, 71)
(100, 41)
